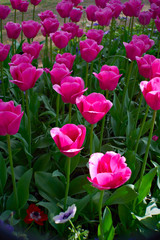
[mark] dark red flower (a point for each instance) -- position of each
(34, 213)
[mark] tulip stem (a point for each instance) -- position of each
(29, 125)
(91, 24)
(102, 126)
(152, 28)
(12, 46)
(111, 35)
(15, 15)
(141, 129)
(57, 109)
(23, 105)
(29, 40)
(100, 214)
(1, 30)
(139, 108)
(145, 156)
(158, 48)
(127, 83)
(86, 82)
(46, 48)
(132, 27)
(91, 139)
(21, 30)
(34, 7)
(3, 85)
(51, 57)
(133, 86)
(90, 81)
(70, 111)
(12, 173)
(68, 179)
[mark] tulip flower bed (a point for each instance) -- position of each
(79, 121)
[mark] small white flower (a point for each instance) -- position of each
(66, 216)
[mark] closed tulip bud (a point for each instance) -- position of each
(25, 75)
(66, 58)
(33, 48)
(61, 38)
(50, 25)
(75, 15)
(64, 8)
(89, 49)
(132, 8)
(157, 22)
(70, 88)
(104, 16)
(93, 107)
(155, 68)
(145, 65)
(80, 33)
(108, 77)
(151, 92)
(15, 3)
(10, 118)
(59, 72)
(145, 17)
(13, 30)
(76, 2)
(4, 11)
(90, 11)
(95, 34)
(4, 51)
(23, 6)
(101, 3)
(69, 138)
(30, 28)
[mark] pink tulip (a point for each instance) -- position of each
(103, 16)
(4, 11)
(15, 3)
(23, 6)
(46, 14)
(116, 7)
(75, 14)
(80, 33)
(95, 34)
(10, 118)
(70, 88)
(145, 17)
(30, 28)
(64, 8)
(25, 75)
(134, 49)
(108, 77)
(35, 2)
(13, 30)
(69, 138)
(132, 8)
(4, 51)
(155, 68)
(145, 65)
(59, 72)
(101, 3)
(108, 171)
(50, 25)
(90, 11)
(155, 10)
(93, 107)
(89, 49)
(70, 28)
(33, 49)
(18, 59)
(148, 43)
(66, 58)
(155, 138)
(61, 38)
(157, 22)
(151, 92)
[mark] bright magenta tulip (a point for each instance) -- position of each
(76, 14)
(151, 92)
(25, 75)
(13, 30)
(18, 59)
(4, 11)
(90, 11)
(4, 51)
(35, 2)
(61, 38)
(108, 171)
(59, 72)
(30, 28)
(46, 14)
(66, 58)
(70, 28)
(93, 107)
(64, 8)
(95, 34)
(33, 48)
(10, 118)
(69, 138)
(145, 65)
